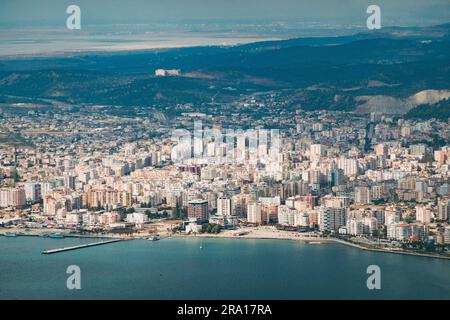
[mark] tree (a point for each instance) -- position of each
(211, 228)
(148, 213)
(216, 229)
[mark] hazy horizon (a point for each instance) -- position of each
(400, 12)
(39, 27)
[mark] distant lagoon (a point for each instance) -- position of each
(58, 43)
(41, 40)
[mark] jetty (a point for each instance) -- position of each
(81, 246)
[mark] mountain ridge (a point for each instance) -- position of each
(406, 60)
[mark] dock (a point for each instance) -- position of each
(81, 246)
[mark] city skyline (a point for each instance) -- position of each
(219, 150)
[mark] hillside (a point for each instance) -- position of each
(341, 73)
(439, 110)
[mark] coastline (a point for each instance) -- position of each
(404, 252)
(317, 240)
(263, 233)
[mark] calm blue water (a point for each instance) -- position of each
(177, 268)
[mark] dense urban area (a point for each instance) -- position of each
(377, 181)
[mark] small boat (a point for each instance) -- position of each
(10, 234)
(56, 236)
(154, 238)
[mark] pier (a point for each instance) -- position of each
(81, 246)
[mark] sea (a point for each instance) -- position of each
(211, 268)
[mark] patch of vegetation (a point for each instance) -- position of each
(211, 228)
(440, 111)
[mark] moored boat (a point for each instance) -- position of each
(56, 236)
(10, 234)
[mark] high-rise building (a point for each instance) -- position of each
(418, 149)
(107, 198)
(406, 231)
(447, 235)
(362, 195)
(32, 191)
(375, 192)
(381, 150)
(286, 215)
(331, 219)
(350, 166)
(406, 131)
(355, 227)
(440, 156)
(336, 177)
(18, 198)
(223, 206)
(254, 212)
(198, 209)
(69, 181)
(443, 210)
(12, 197)
(423, 214)
(316, 151)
